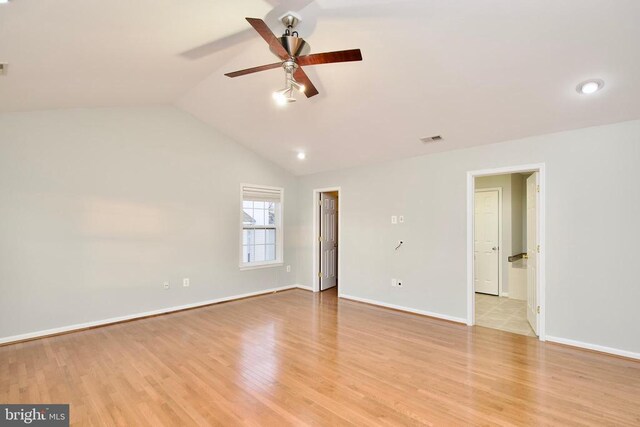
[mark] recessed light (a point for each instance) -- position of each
(590, 86)
(301, 156)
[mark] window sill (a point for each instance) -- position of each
(258, 266)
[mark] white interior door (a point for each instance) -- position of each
(328, 240)
(532, 251)
(486, 242)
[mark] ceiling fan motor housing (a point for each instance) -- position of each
(295, 46)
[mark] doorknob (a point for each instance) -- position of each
(495, 248)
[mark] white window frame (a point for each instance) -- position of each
(278, 262)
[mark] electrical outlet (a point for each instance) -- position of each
(185, 282)
(166, 285)
(394, 219)
(394, 283)
(288, 269)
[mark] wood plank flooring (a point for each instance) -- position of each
(298, 358)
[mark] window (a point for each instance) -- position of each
(261, 240)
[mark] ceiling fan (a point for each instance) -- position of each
(293, 52)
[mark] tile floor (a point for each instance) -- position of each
(503, 313)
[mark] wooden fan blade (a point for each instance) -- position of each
(264, 31)
(254, 70)
(330, 57)
(301, 77)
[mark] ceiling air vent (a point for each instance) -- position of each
(3, 68)
(430, 139)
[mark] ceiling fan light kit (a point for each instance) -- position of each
(285, 96)
(293, 52)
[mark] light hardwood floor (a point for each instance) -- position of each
(297, 358)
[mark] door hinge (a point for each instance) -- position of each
(319, 274)
(538, 310)
(538, 187)
(319, 238)
(538, 249)
(320, 202)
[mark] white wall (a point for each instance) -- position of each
(99, 207)
(593, 203)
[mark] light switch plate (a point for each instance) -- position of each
(401, 219)
(394, 219)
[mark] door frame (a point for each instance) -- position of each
(314, 238)
(499, 190)
(471, 176)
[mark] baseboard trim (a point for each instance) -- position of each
(504, 294)
(105, 322)
(89, 325)
(406, 309)
(594, 347)
(558, 340)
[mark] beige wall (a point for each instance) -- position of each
(518, 213)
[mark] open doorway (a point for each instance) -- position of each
(505, 264)
(326, 239)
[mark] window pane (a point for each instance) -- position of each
(271, 252)
(248, 237)
(260, 220)
(271, 214)
(260, 217)
(260, 253)
(247, 217)
(271, 236)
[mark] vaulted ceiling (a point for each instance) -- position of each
(475, 72)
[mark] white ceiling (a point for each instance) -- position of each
(475, 72)
(83, 53)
